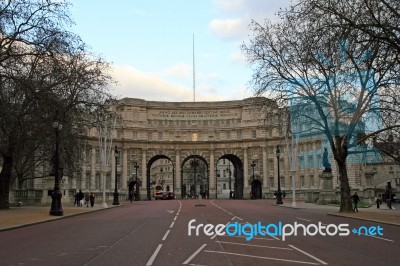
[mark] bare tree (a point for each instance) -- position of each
(334, 79)
(44, 70)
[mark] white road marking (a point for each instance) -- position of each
(194, 254)
(165, 236)
(153, 257)
(172, 225)
(381, 238)
(259, 257)
(236, 217)
(303, 219)
(309, 255)
(250, 245)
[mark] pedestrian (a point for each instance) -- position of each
(377, 201)
(355, 199)
(87, 199)
(131, 195)
(91, 199)
(283, 195)
(76, 202)
(81, 197)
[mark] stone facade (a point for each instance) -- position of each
(235, 152)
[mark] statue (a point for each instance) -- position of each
(325, 161)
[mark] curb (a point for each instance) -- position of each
(363, 219)
(54, 219)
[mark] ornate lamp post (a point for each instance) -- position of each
(253, 164)
(137, 185)
(116, 194)
(56, 195)
(279, 193)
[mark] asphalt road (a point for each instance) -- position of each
(156, 233)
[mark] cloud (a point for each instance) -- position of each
(180, 71)
(231, 29)
(134, 83)
(238, 14)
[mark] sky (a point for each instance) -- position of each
(149, 44)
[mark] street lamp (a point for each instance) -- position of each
(279, 194)
(137, 185)
(116, 194)
(253, 164)
(56, 208)
(194, 164)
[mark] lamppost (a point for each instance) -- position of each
(137, 185)
(116, 194)
(253, 164)
(161, 178)
(56, 195)
(228, 169)
(278, 194)
(194, 164)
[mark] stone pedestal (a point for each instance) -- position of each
(327, 194)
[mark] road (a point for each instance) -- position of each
(156, 233)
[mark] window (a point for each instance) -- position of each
(310, 161)
(254, 134)
(160, 135)
(135, 135)
(149, 135)
(271, 181)
(302, 181)
(228, 135)
(311, 180)
(194, 136)
(239, 135)
(282, 181)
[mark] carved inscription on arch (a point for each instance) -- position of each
(217, 114)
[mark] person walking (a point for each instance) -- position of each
(377, 201)
(91, 199)
(355, 199)
(87, 199)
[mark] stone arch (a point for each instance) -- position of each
(148, 167)
(256, 189)
(237, 175)
(207, 185)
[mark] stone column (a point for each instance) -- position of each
(178, 185)
(124, 175)
(213, 184)
(92, 184)
(112, 159)
(245, 169)
(264, 168)
(143, 188)
(82, 184)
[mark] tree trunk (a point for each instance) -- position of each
(345, 197)
(5, 178)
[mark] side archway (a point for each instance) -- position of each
(148, 167)
(235, 176)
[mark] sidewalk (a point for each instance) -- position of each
(382, 215)
(22, 216)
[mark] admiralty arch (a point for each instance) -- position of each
(223, 149)
(215, 149)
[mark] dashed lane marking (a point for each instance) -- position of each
(194, 254)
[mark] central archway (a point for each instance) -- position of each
(195, 178)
